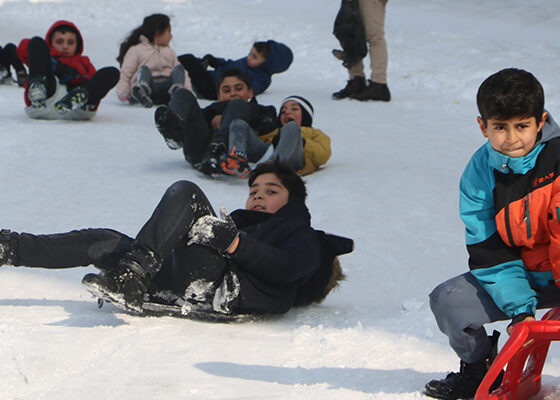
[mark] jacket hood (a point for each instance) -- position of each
(279, 58)
(294, 208)
(80, 44)
(550, 130)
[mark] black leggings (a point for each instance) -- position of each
(40, 67)
(165, 233)
(201, 80)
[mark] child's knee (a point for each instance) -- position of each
(183, 189)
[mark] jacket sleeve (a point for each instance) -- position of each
(298, 256)
(317, 150)
(128, 69)
(554, 228)
(498, 267)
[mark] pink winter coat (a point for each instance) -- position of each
(160, 60)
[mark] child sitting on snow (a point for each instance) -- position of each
(63, 84)
(265, 258)
(296, 143)
(264, 60)
(9, 59)
(150, 70)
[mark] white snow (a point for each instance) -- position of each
(391, 184)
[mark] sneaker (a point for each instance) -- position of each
(37, 92)
(22, 77)
(76, 98)
(140, 95)
(373, 91)
(170, 125)
(124, 286)
(235, 163)
(465, 383)
(352, 87)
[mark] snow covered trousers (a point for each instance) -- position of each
(462, 306)
(165, 233)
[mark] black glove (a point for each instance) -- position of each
(520, 318)
(214, 232)
(63, 72)
(209, 60)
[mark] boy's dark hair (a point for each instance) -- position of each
(290, 180)
(62, 29)
(510, 93)
(152, 24)
(236, 72)
(263, 48)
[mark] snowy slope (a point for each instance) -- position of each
(391, 184)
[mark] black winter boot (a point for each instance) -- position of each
(352, 87)
(7, 248)
(465, 383)
(126, 285)
(373, 91)
(170, 126)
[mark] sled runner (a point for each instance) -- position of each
(524, 353)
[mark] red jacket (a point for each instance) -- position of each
(79, 62)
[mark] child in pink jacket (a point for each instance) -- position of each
(150, 70)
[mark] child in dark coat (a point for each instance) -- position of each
(63, 84)
(265, 258)
(264, 60)
(203, 133)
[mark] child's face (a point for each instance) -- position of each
(163, 38)
(234, 88)
(255, 59)
(290, 111)
(267, 194)
(65, 43)
(514, 137)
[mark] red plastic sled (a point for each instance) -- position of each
(525, 354)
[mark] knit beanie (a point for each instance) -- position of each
(306, 109)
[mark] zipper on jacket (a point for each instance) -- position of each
(527, 217)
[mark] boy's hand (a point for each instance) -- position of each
(519, 318)
(219, 233)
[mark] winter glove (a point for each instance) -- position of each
(211, 231)
(63, 72)
(209, 61)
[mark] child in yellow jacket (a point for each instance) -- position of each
(295, 143)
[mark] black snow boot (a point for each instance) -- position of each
(170, 126)
(352, 87)
(7, 247)
(373, 91)
(126, 285)
(465, 383)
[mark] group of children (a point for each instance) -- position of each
(266, 257)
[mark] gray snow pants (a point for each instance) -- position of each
(462, 306)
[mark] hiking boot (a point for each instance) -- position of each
(7, 248)
(75, 99)
(235, 163)
(373, 91)
(170, 125)
(352, 87)
(465, 383)
(37, 92)
(140, 95)
(22, 78)
(126, 285)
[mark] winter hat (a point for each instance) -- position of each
(306, 109)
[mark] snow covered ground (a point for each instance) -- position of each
(391, 184)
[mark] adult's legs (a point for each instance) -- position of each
(201, 79)
(100, 247)
(373, 15)
(290, 146)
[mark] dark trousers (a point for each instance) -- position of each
(201, 80)
(165, 233)
(235, 109)
(196, 133)
(40, 66)
(9, 58)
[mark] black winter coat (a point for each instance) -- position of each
(349, 30)
(280, 260)
(262, 119)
